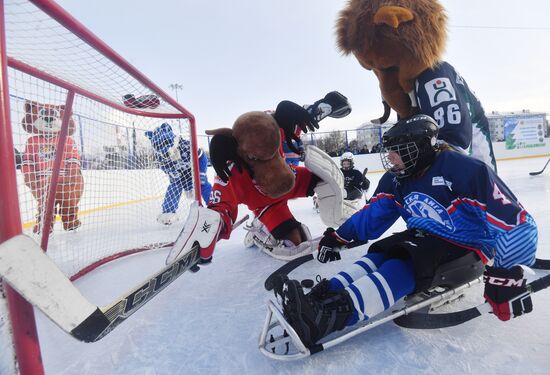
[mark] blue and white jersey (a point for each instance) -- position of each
(177, 167)
(459, 199)
(444, 95)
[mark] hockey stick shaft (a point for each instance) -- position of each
(104, 320)
(290, 266)
(433, 321)
(240, 221)
(37, 278)
(285, 269)
(542, 170)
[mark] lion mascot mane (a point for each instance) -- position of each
(402, 42)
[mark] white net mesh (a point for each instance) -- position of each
(111, 188)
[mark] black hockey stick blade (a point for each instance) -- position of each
(285, 269)
(104, 320)
(542, 264)
(542, 170)
(290, 266)
(444, 320)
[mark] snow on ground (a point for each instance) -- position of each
(210, 322)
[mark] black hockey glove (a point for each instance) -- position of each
(329, 246)
(506, 292)
(223, 150)
(333, 105)
(289, 115)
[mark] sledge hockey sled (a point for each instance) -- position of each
(278, 340)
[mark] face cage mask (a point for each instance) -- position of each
(408, 152)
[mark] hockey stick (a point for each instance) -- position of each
(542, 170)
(542, 264)
(37, 278)
(444, 320)
(284, 270)
(290, 266)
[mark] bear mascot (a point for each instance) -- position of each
(43, 121)
(402, 42)
(173, 153)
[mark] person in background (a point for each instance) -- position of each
(355, 182)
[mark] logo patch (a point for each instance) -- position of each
(438, 181)
(440, 90)
(424, 206)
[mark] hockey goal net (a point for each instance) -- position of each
(89, 185)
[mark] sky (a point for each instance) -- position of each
(232, 57)
(210, 322)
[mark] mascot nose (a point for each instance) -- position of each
(49, 119)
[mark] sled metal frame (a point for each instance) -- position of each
(303, 351)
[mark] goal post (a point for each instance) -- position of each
(84, 138)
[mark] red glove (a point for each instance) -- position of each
(506, 292)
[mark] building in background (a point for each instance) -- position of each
(499, 120)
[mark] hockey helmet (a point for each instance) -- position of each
(414, 140)
(346, 161)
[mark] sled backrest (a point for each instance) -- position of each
(459, 271)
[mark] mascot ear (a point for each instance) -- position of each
(31, 110)
(149, 134)
(221, 131)
(393, 16)
(166, 127)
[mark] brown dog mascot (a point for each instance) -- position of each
(402, 42)
(43, 121)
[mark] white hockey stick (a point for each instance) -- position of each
(37, 278)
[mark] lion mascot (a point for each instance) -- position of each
(43, 122)
(402, 42)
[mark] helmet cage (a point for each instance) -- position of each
(408, 152)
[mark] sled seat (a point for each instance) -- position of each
(457, 272)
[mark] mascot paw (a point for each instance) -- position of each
(167, 218)
(72, 225)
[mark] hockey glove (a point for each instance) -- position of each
(223, 151)
(506, 292)
(334, 105)
(289, 115)
(329, 246)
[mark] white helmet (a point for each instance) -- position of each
(346, 156)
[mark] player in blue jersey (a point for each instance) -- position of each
(452, 204)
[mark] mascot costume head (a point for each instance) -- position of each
(397, 40)
(257, 137)
(43, 122)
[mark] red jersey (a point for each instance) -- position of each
(242, 189)
(40, 152)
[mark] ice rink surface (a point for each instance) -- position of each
(210, 322)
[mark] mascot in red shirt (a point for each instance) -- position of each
(251, 170)
(43, 121)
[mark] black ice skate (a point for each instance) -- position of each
(313, 316)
